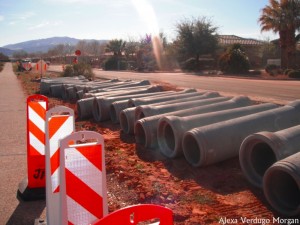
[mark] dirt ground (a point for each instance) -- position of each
(212, 195)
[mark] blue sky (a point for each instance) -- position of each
(23, 20)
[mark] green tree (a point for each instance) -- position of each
(116, 46)
(234, 60)
(195, 37)
(283, 17)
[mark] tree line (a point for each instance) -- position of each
(196, 40)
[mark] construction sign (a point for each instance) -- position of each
(83, 178)
(41, 67)
(59, 124)
(33, 186)
(37, 105)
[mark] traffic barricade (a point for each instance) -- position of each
(33, 186)
(82, 178)
(59, 124)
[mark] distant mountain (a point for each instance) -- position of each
(43, 45)
(6, 51)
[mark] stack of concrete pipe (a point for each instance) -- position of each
(145, 130)
(200, 147)
(127, 116)
(171, 129)
(46, 83)
(101, 105)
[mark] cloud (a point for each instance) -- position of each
(45, 24)
(26, 15)
(1, 18)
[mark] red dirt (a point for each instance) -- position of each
(196, 195)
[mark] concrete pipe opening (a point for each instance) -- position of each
(166, 138)
(191, 149)
(256, 156)
(282, 191)
(262, 157)
(140, 134)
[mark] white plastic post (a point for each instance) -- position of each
(59, 124)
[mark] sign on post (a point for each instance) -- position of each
(59, 124)
(83, 178)
(34, 186)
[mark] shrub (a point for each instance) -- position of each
(234, 60)
(68, 71)
(84, 69)
(294, 74)
(286, 71)
(81, 68)
(113, 63)
(190, 64)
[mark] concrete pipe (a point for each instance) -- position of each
(150, 110)
(171, 129)
(200, 147)
(120, 89)
(124, 85)
(259, 151)
(85, 105)
(118, 106)
(134, 102)
(91, 88)
(145, 130)
(101, 106)
(127, 116)
(55, 90)
(281, 185)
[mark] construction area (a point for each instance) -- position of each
(207, 157)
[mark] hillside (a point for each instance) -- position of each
(43, 45)
(6, 51)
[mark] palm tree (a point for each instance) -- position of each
(116, 46)
(283, 17)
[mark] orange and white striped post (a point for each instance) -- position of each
(83, 178)
(33, 187)
(59, 124)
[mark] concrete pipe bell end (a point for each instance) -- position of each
(170, 129)
(257, 153)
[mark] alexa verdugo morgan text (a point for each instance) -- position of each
(256, 220)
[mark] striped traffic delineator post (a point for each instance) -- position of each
(83, 178)
(33, 187)
(60, 123)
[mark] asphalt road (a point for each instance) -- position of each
(275, 91)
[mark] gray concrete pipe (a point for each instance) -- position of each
(124, 89)
(89, 88)
(281, 185)
(122, 85)
(97, 87)
(145, 130)
(134, 102)
(171, 129)
(101, 106)
(118, 106)
(152, 110)
(56, 90)
(85, 105)
(46, 83)
(127, 116)
(220, 141)
(260, 150)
